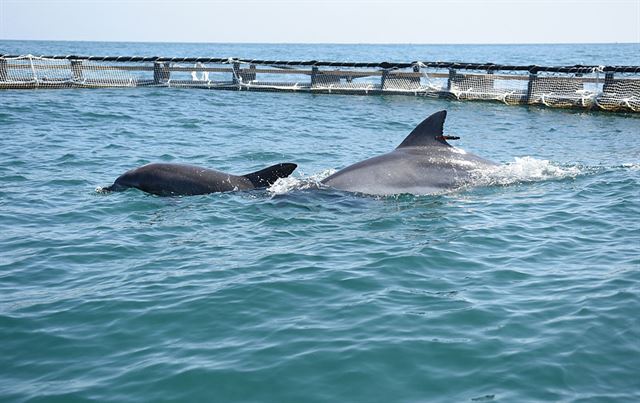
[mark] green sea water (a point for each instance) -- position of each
(525, 287)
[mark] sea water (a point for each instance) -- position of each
(524, 287)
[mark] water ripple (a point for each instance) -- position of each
(523, 287)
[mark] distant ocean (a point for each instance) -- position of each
(523, 288)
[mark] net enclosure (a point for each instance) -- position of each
(609, 88)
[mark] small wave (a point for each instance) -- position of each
(101, 189)
(107, 115)
(524, 169)
(631, 166)
(286, 185)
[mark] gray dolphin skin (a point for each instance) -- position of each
(424, 163)
(183, 180)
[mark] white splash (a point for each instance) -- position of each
(463, 163)
(458, 150)
(524, 169)
(632, 166)
(286, 185)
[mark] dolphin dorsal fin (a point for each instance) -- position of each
(429, 132)
(268, 176)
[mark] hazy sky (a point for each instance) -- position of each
(331, 21)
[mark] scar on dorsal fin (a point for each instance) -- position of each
(268, 176)
(428, 133)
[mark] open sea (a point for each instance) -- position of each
(525, 287)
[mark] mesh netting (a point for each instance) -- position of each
(606, 88)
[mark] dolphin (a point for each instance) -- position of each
(424, 163)
(183, 180)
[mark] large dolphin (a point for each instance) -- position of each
(424, 163)
(180, 179)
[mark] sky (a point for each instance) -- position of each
(329, 21)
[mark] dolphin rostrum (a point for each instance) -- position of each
(424, 163)
(180, 179)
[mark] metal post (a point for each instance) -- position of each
(416, 80)
(452, 74)
(236, 73)
(314, 76)
(3, 70)
(532, 78)
(161, 73)
(76, 70)
(383, 80)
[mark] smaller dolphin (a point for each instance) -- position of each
(183, 180)
(424, 163)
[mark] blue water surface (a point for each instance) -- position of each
(525, 287)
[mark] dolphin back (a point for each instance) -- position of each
(166, 179)
(268, 176)
(424, 163)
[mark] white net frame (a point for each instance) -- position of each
(597, 87)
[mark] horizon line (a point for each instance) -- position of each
(330, 43)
